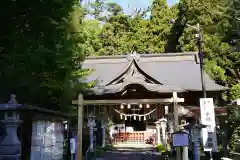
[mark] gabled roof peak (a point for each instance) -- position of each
(134, 56)
(137, 56)
(133, 71)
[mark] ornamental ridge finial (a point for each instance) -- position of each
(133, 55)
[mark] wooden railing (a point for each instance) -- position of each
(129, 137)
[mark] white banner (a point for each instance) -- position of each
(209, 135)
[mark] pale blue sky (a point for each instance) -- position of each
(130, 5)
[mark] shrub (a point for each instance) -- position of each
(235, 92)
(100, 152)
(160, 148)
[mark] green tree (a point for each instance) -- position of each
(96, 9)
(234, 118)
(233, 24)
(115, 31)
(91, 33)
(40, 51)
(220, 61)
(160, 28)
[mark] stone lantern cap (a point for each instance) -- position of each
(91, 115)
(199, 126)
(157, 122)
(160, 120)
(11, 105)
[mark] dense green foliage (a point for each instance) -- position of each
(40, 51)
(235, 91)
(234, 119)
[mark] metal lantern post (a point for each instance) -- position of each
(196, 137)
(200, 53)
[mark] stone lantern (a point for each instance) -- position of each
(158, 134)
(91, 124)
(10, 146)
(163, 124)
(103, 126)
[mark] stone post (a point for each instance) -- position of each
(158, 127)
(91, 125)
(103, 126)
(10, 147)
(163, 123)
(170, 123)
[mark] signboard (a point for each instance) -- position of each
(209, 135)
(180, 139)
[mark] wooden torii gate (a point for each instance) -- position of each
(81, 103)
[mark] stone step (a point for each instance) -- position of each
(129, 155)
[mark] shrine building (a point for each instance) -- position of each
(145, 87)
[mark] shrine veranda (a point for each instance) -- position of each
(138, 92)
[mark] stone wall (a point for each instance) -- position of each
(47, 140)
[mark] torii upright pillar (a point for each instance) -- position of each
(80, 125)
(176, 121)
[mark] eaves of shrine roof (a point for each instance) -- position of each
(181, 70)
(115, 88)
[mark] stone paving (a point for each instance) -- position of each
(132, 152)
(128, 155)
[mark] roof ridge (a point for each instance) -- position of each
(143, 55)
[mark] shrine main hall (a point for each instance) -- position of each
(136, 91)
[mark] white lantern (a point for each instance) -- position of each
(148, 106)
(166, 109)
(134, 117)
(144, 118)
(129, 106)
(125, 118)
(140, 105)
(122, 106)
(163, 122)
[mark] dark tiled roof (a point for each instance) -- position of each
(180, 70)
